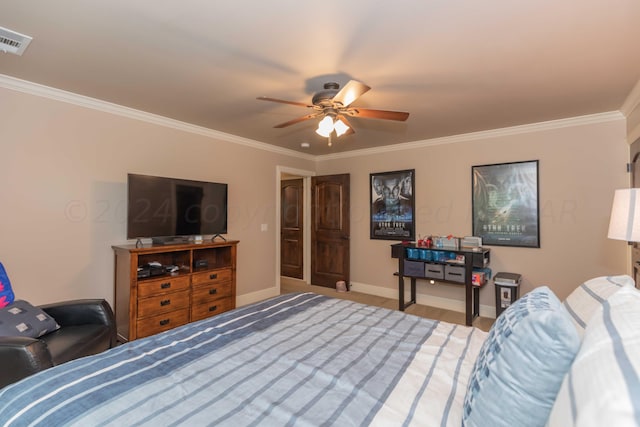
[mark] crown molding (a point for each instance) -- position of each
(632, 101)
(475, 136)
(36, 89)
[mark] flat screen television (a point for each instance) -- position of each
(169, 210)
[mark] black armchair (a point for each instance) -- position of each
(86, 327)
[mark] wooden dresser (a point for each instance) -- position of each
(147, 303)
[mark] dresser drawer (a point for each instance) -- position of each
(162, 322)
(210, 292)
(163, 303)
(160, 286)
(204, 310)
(213, 276)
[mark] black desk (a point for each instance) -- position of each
(472, 258)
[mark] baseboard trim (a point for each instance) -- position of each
(488, 311)
(250, 298)
(423, 299)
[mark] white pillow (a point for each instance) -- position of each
(588, 297)
(602, 387)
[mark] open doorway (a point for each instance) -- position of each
(292, 225)
(284, 174)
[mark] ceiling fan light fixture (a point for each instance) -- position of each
(333, 105)
(323, 132)
(325, 127)
(340, 127)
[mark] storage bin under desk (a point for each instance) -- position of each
(434, 271)
(414, 268)
(454, 273)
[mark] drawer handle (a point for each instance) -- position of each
(213, 276)
(165, 285)
(213, 308)
(165, 302)
(213, 291)
(164, 322)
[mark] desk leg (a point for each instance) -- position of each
(401, 293)
(476, 301)
(401, 304)
(468, 302)
(413, 290)
(468, 291)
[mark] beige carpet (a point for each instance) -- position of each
(288, 285)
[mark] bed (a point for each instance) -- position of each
(297, 359)
(311, 360)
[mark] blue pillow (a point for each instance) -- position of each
(21, 319)
(6, 293)
(520, 367)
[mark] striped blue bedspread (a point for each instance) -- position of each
(297, 359)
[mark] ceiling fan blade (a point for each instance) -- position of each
(379, 114)
(298, 120)
(350, 92)
(282, 101)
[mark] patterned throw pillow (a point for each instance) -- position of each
(6, 293)
(22, 319)
(588, 297)
(520, 367)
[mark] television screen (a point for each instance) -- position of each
(167, 207)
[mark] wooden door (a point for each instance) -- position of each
(635, 183)
(330, 230)
(291, 228)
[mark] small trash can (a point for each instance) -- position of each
(507, 290)
(341, 286)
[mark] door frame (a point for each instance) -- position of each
(633, 256)
(306, 233)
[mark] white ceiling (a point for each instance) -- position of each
(457, 66)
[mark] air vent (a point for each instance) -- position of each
(12, 42)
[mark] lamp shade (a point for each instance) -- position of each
(625, 215)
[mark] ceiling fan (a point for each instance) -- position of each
(334, 105)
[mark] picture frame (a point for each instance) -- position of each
(506, 204)
(392, 213)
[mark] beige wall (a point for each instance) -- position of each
(64, 167)
(580, 167)
(63, 171)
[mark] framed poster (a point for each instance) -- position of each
(505, 205)
(392, 205)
